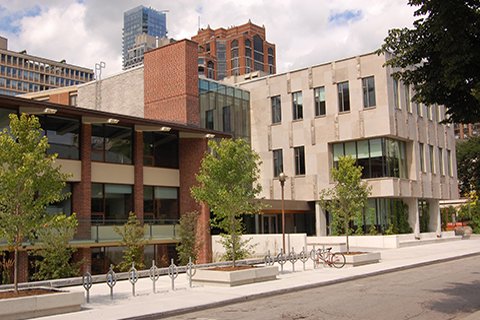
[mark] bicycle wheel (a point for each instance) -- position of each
(338, 260)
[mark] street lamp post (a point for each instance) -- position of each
(282, 177)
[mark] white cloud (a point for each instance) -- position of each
(86, 32)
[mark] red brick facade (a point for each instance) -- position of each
(171, 83)
(82, 191)
(138, 184)
(191, 154)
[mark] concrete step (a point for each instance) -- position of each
(411, 243)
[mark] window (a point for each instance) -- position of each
(421, 152)
(320, 107)
(160, 149)
(227, 126)
(111, 144)
(72, 100)
(277, 162)
(368, 85)
(209, 119)
(299, 153)
(343, 97)
(276, 109)
(297, 105)
(63, 136)
(432, 159)
(408, 101)
(111, 202)
(396, 101)
(441, 161)
(64, 206)
(449, 163)
(160, 204)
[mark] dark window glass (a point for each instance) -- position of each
(111, 203)
(376, 158)
(64, 206)
(112, 144)
(258, 52)
(299, 160)
(297, 105)
(63, 136)
(421, 150)
(368, 85)
(161, 204)
(320, 105)
(343, 97)
(209, 119)
(227, 126)
(276, 110)
(160, 149)
(277, 162)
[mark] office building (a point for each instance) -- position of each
(137, 21)
(234, 51)
(21, 72)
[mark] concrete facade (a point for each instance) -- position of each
(388, 118)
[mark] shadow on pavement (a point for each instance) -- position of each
(461, 297)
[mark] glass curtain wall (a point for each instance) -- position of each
(63, 136)
(160, 149)
(111, 203)
(160, 204)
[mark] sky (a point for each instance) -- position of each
(305, 32)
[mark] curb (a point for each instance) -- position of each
(249, 297)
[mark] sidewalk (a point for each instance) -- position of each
(167, 302)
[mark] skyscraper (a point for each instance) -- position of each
(141, 20)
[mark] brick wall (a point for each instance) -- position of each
(83, 255)
(191, 154)
(82, 191)
(171, 83)
(138, 183)
(60, 98)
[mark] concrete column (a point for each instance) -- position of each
(413, 216)
(320, 221)
(435, 223)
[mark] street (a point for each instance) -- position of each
(448, 290)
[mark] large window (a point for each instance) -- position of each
(258, 53)
(227, 123)
(368, 85)
(421, 152)
(277, 162)
(112, 144)
(432, 159)
(343, 97)
(209, 119)
(160, 204)
(381, 157)
(4, 117)
(297, 105)
(160, 149)
(111, 203)
(299, 153)
(320, 104)
(276, 109)
(63, 136)
(441, 161)
(64, 206)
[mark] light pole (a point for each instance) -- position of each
(282, 177)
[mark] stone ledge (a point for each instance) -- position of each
(356, 260)
(235, 278)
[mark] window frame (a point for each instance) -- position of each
(367, 103)
(343, 104)
(297, 107)
(299, 158)
(277, 160)
(276, 109)
(320, 105)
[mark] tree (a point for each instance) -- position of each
(55, 251)
(440, 56)
(468, 165)
(132, 234)
(347, 199)
(470, 212)
(228, 185)
(29, 182)
(188, 246)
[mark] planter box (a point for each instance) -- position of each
(235, 278)
(41, 305)
(362, 259)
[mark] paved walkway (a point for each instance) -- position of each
(183, 298)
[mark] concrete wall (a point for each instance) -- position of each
(121, 93)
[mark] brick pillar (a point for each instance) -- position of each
(82, 191)
(22, 266)
(83, 255)
(191, 154)
(138, 184)
(162, 259)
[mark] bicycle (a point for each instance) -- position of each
(326, 256)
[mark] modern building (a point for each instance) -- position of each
(143, 43)
(119, 164)
(137, 21)
(21, 72)
(465, 131)
(234, 51)
(302, 122)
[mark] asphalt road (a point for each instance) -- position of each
(448, 290)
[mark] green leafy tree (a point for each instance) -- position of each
(228, 185)
(348, 198)
(188, 246)
(440, 56)
(55, 251)
(470, 212)
(132, 234)
(468, 165)
(29, 182)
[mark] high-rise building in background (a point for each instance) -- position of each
(234, 51)
(137, 21)
(21, 73)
